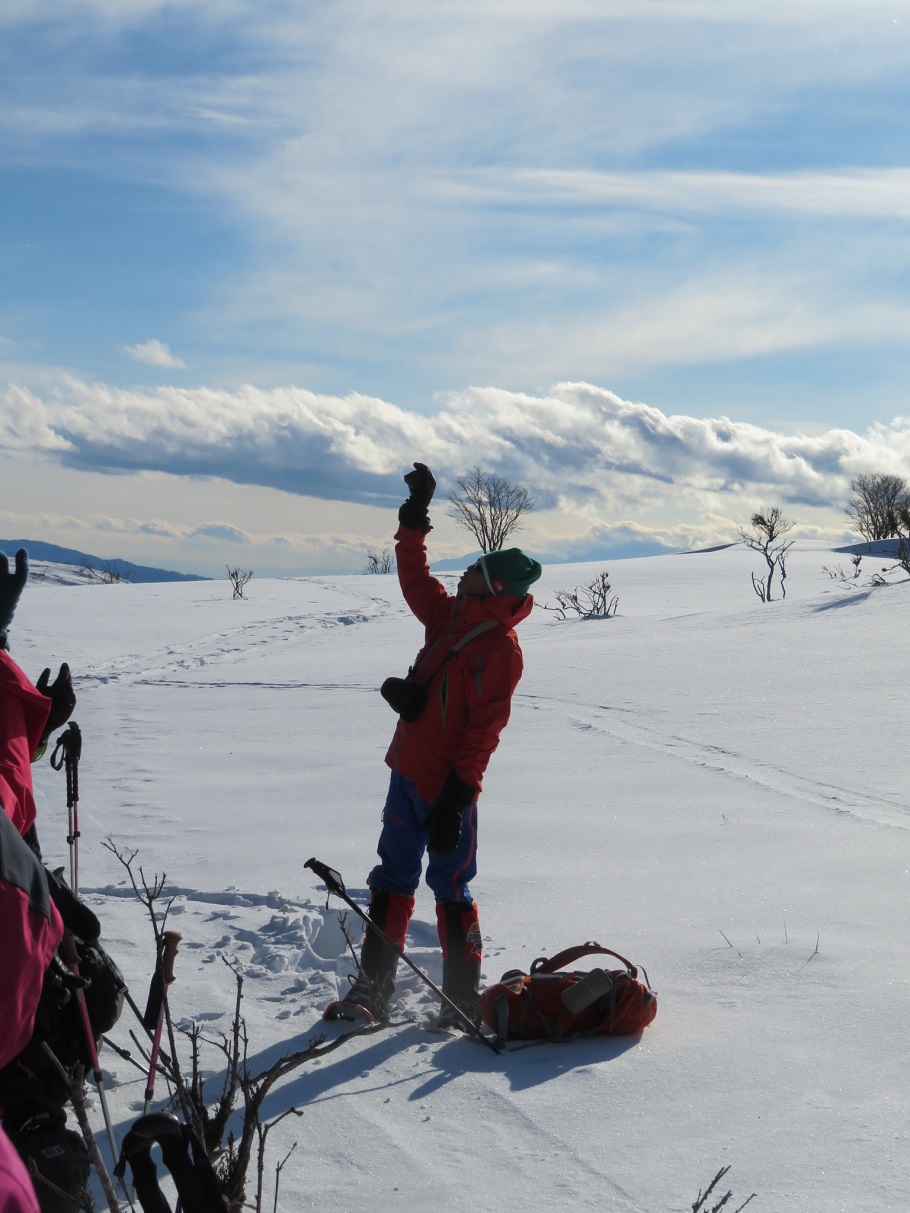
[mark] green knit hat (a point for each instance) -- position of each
(509, 571)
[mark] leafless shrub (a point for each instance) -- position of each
(768, 528)
(108, 572)
(592, 601)
(900, 521)
(238, 579)
(700, 1201)
(379, 562)
(839, 574)
(489, 507)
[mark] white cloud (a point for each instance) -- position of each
(579, 448)
(854, 192)
(154, 353)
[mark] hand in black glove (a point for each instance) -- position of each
(422, 485)
(443, 825)
(62, 696)
(11, 586)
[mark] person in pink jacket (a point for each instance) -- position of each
(31, 926)
(452, 708)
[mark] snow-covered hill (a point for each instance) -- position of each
(714, 787)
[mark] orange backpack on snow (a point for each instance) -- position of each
(549, 1004)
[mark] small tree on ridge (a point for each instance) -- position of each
(489, 507)
(379, 562)
(238, 578)
(876, 499)
(768, 528)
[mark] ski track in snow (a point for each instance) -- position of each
(836, 798)
(226, 646)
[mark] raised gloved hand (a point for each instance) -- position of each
(443, 825)
(62, 696)
(422, 485)
(11, 586)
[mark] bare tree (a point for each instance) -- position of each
(876, 498)
(238, 579)
(379, 562)
(768, 528)
(489, 507)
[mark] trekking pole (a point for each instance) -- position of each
(154, 1012)
(71, 957)
(333, 882)
(69, 747)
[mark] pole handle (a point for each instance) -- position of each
(170, 942)
(329, 877)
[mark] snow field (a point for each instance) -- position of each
(714, 787)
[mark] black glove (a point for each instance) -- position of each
(62, 696)
(11, 586)
(443, 825)
(422, 484)
(77, 917)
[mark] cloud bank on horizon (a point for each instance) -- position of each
(580, 449)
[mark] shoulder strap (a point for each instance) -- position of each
(569, 955)
(486, 626)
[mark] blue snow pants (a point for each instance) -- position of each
(403, 841)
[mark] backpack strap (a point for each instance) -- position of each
(486, 626)
(570, 955)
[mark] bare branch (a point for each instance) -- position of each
(592, 601)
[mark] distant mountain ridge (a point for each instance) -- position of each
(136, 573)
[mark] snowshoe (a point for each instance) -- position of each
(353, 1012)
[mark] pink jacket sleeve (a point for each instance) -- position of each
(30, 930)
(23, 715)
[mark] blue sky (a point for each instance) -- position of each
(649, 259)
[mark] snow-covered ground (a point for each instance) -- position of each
(714, 787)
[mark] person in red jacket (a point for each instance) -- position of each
(463, 679)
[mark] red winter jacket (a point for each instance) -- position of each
(23, 715)
(470, 695)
